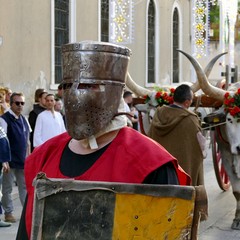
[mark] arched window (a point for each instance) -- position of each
(61, 31)
(151, 42)
(175, 34)
(104, 20)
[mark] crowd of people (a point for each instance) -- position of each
(44, 142)
(18, 137)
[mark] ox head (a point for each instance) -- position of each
(232, 125)
(146, 113)
(233, 133)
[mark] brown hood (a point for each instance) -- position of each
(172, 117)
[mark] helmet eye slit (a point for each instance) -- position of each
(92, 87)
(67, 86)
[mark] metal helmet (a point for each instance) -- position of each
(93, 78)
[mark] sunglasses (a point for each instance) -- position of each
(18, 103)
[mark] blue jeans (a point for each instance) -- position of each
(7, 185)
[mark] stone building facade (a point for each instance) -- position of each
(32, 31)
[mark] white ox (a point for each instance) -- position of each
(228, 137)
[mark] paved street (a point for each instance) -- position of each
(222, 207)
(9, 233)
(217, 227)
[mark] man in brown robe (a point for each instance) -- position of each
(178, 130)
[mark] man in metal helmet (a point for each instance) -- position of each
(93, 81)
(97, 146)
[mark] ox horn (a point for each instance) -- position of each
(138, 90)
(207, 88)
(196, 86)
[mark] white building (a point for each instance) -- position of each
(32, 32)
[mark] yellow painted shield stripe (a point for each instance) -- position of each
(141, 217)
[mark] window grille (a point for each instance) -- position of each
(61, 28)
(104, 20)
(175, 34)
(151, 42)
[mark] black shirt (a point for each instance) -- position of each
(73, 165)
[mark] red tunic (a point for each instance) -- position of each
(130, 158)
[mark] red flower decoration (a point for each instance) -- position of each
(226, 94)
(163, 97)
(232, 103)
(172, 90)
(158, 95)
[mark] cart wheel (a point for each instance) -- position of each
(221, 175)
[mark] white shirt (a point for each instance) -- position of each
(126, 107)
(48, 125)
(127, 110)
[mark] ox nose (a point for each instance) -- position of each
(238, 149)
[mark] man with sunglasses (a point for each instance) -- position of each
(17, 129)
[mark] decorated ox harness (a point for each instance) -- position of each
(215, 120)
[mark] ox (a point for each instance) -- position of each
(228, 137)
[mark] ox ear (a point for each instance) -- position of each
(215, 117)
(142, 107)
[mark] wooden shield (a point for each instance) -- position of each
(70, 209)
